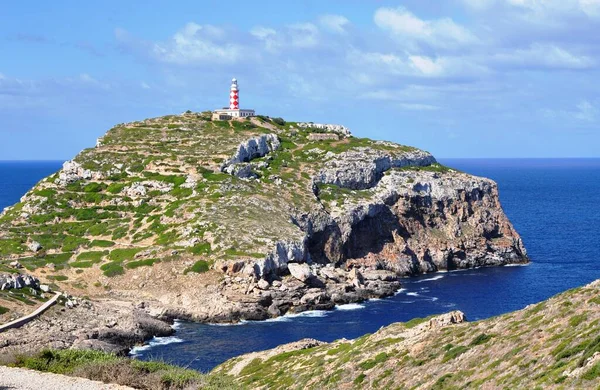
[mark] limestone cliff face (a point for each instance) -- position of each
(420, 221)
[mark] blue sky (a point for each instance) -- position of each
(460, 78)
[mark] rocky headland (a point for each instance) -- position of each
(219, 221)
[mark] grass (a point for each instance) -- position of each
(3, 310)
(109, 368)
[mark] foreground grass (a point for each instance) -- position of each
(108, 368)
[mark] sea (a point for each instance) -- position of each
(553, 203)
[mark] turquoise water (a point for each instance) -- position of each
(554, 204)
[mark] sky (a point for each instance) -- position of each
(459, 78)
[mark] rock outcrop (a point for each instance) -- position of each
(248, 151)
(361, 168)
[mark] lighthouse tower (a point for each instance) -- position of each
(234, 110)
(234, 97)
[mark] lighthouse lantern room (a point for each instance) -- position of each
(234, 110)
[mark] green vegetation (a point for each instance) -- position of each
(141, 263)
(199, 267)
(481, 339)
(123, 254)
(454, 352)
(3, 310)
(112, 269)
(101, 366)
(102, 243)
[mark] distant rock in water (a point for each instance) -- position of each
(220, 221)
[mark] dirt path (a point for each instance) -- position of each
(19, 378)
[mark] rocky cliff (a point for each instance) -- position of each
(550, 345)
(249, 219)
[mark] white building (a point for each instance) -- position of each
(234, 110)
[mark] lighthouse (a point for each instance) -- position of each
(234, 110)
(234, 96)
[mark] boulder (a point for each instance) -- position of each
(16, 264)
(34, 246)
(301, 272)
(263, 284)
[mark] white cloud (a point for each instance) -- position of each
(268, 36)
(196, 44)
(144, 85)
(428, 66)
(544, 56)
(335, 23)
(438, 33)
(303, 35)
(418, 107)
(586, 111)
(543, 9)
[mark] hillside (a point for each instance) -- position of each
(227, 220)
(553, 344)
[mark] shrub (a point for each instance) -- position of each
(102, 243)
(112, 269)
(3, 310)
(454, 352)
(201, 249)
(481, 339)
(123, 254)
(108, 368)
(278, 121)
(199, 267)
(140, 263)
(115, 188)
(94, 187)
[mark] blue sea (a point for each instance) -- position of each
(553, 203)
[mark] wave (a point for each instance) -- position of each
(517, 265)
(350, 306)
(413, 294)
(155, 341)
(242, 322)
(400, 291)
(176, 325)
(438, 277)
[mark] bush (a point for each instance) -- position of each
(112, 269)
(102, 243)
(481, 339)
(94, 187)
(123, 254)
(3, 310)
(278, 121)
(199, 267)
(201, 249)
(115, 188)
(140, 263)
(109, 368)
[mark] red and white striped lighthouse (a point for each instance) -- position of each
(234, 100)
